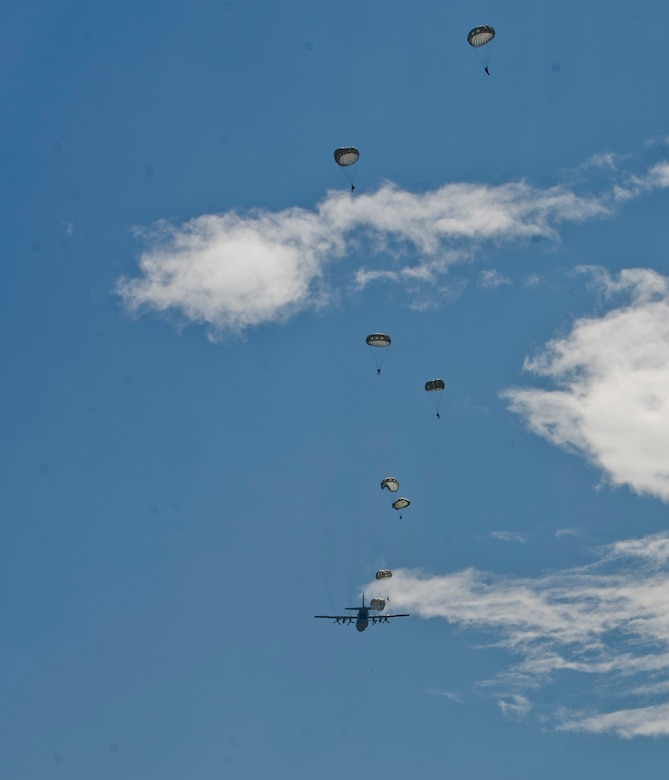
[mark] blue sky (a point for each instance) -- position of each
(194, 433)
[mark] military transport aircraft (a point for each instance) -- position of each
(362, 619)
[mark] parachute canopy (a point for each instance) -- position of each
(383, 573)
(435, 384)
(378, 340)
(391, 483)
(479, 36)
(377, 604)
(401, 503)
(347, 155)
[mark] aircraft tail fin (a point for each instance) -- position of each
(363, 604)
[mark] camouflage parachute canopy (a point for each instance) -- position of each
(435, 384)
(383, 573)
(346, 155)
(391, 483)
(401, 503)
(479, 36)
(377, 604)
(378, 340)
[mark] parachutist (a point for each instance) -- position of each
(438, 416)
(378, 372)
(486, 70)
(352, 187)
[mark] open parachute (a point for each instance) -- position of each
(346, 156)
(382, 574)
(401, 503)
(378, 604)
(378, 341)
(391, 484)
(435, 385)
(480, 36)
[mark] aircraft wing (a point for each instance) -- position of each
(342, 619)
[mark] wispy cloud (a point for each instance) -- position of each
(567, 532)
(657, 177)
(610, 401)
(607, 620)
(533, 280)
(514, 706)
(509, 536)
(490, 278)
(650, 721)
(450, 695)
(609, 160)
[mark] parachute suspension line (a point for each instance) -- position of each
(485, 61)
(350, 178)
(379, 363)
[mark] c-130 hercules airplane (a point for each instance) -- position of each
(362, 619)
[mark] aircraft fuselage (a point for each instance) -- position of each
(362, 620)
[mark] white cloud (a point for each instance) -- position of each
(567, 532)
(610, 401)
(231, 271)
(515, 706)
(633, 185)
(650, 689)
(491, 278)
(450, 695)
(509, 536)
(607, 620)
(608, 160)
(459, 211)
(650, 721)
(658, 175)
